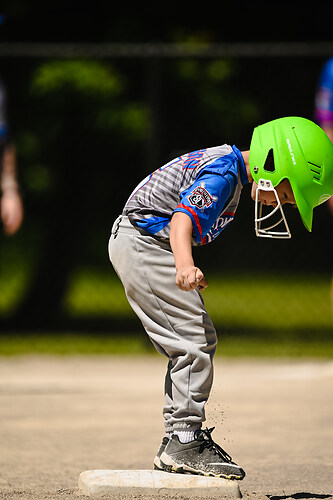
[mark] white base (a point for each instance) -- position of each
(153, 482)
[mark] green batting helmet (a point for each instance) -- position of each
(302, 153)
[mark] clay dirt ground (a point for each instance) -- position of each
(60, 416)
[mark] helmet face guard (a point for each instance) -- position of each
(260, 220)
(296, 149)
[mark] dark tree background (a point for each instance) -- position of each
(88, 129)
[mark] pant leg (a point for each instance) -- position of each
(176, 322)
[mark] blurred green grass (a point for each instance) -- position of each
(137, 343)
(287, 315)
(245, 301)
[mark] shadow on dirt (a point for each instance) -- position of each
(299, 496)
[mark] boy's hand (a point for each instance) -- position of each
(190, 278)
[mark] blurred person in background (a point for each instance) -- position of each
(324, 99)
(11, 206)
(324, 114)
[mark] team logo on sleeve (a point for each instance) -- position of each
(201, 198)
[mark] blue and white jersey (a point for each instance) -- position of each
(204, 184)
(324, 96)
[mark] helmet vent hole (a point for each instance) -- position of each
(316, 171)
(269, 165)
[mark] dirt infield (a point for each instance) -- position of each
(62, 416)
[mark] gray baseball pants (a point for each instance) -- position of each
(176, 321)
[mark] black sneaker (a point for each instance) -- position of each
(157, 461)
(201, 456)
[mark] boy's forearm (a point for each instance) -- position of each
(188, 275)
(181, 240)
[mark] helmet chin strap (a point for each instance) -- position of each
(259, 219)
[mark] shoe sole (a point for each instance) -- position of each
(172, 466)
(158, 464)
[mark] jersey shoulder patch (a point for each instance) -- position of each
(201, 198)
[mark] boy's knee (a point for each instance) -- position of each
(199, 353)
